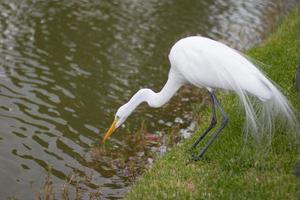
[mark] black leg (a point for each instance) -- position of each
(213, 122)
(214, 136)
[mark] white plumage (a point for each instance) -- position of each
(207, 63)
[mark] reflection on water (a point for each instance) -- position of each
(66, 66)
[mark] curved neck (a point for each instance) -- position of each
(154, 99)
(167, 92)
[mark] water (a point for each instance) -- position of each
(66, 66)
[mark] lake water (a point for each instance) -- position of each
(66, 66)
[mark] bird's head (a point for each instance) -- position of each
(120, 117)
(125, 110)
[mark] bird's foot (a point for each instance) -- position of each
(193, 159)
(196, 157)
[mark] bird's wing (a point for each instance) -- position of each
(208, 63)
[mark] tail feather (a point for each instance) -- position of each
(268, 109)
(243, 77)
(279, 106)
(261, 116)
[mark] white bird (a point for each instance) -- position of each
(206, 63)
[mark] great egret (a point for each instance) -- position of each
(204, 62)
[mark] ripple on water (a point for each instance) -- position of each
(66, 66)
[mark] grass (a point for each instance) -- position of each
(233, 169)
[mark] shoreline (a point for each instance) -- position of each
(242, 171)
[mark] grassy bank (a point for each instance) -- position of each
(232, 169)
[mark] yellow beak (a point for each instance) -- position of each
(110, 130)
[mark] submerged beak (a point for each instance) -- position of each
(110, 130)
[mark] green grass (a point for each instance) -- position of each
(232, 169)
